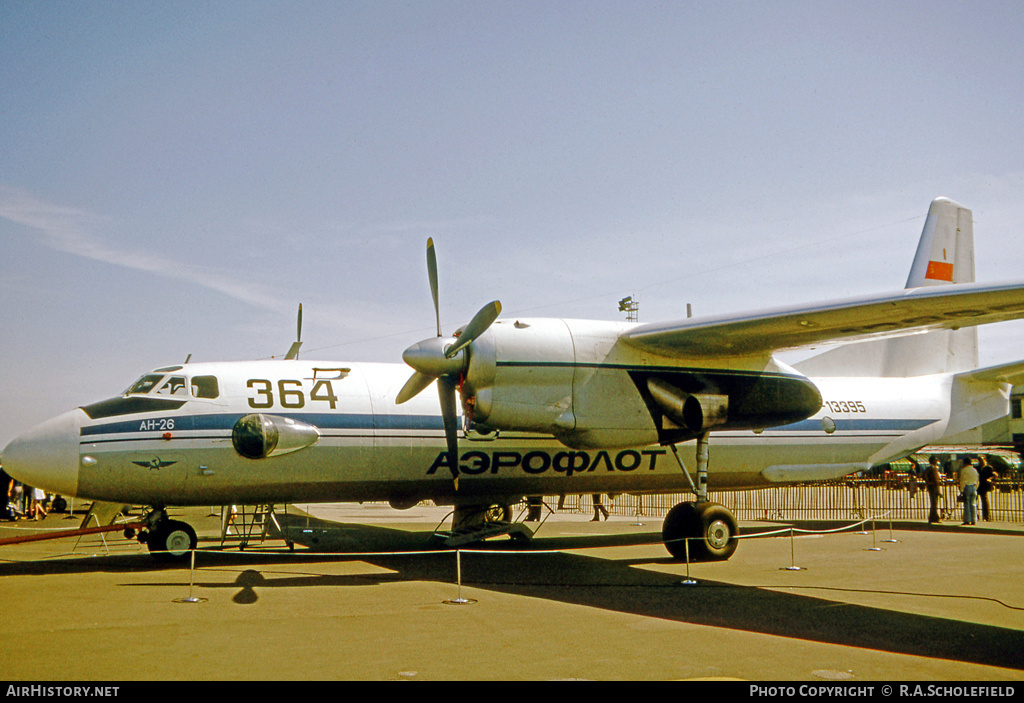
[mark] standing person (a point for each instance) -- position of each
(986, 476)
(37, 507)
(6, 482)
(534, 504)
(598, 508)
(933, 482)
(912, 478)
(15, 497)
(969, 492)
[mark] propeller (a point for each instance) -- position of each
(293, 352)
(444, 358)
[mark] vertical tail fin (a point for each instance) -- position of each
(945, 253)
(945, 256)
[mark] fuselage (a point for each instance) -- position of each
(172, 440)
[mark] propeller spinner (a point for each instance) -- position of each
(445, 359)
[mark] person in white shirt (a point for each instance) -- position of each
(969, 493)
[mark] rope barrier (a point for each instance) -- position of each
(277, 553)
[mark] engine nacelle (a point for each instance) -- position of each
(259, 436)
(531, 375)
(577, 381)
(508, 388)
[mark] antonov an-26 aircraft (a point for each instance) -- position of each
(536, 407)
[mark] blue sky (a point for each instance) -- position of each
(177, 177)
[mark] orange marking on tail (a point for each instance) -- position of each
(939, 271)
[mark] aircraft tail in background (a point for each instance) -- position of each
(945, 256)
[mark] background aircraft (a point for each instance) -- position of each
(540, 406)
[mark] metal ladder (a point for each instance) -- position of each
(246, 524)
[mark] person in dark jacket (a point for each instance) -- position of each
(933, 482)
(986, 482)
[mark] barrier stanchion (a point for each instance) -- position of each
(458, 577)
(191, 583)
(792, 554)
(639, 511)
(891, 540)
(687, 581)
(874, 540)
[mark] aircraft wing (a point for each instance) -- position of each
(914, 309)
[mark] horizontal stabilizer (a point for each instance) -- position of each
(1012, 373)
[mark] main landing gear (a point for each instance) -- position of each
(708, 530)
(168, 540)
(475, 523)
(701, 530)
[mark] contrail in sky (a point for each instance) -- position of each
(66, 229)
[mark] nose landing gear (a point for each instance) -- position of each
(168, 540)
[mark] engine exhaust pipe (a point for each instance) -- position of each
(695, 412)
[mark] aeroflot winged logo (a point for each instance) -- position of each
(155, 464)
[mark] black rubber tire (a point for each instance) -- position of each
(498, 513)
(710, 529)
(172, 540)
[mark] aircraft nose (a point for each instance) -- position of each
(46, 456)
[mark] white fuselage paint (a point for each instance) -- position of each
(372, 449)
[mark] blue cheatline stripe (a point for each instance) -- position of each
(862, 425)
(367, 422)
(226, 421)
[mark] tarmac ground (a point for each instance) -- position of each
(363, 596)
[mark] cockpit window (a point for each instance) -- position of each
(174, 386)
(205, 387)
(144, 384)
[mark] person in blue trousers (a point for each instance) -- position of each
(969, 493)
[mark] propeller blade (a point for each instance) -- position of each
(293, 351)
(432, 275)
(413, 387)
(446, 388)
(476, 327)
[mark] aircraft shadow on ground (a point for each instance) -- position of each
(539, 571)
(618, 586)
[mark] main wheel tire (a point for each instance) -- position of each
(172, 540)
(498, 513)
(709, 528)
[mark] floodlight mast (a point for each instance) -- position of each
(630, 307)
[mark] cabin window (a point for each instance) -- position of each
(205, 387)
(1015, 409)
(174, 386)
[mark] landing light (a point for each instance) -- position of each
(259, 436)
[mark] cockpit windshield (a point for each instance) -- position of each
(175, 386)
(143, 385)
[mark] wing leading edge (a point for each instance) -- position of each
(855, 319)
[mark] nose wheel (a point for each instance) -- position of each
(169, 540)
